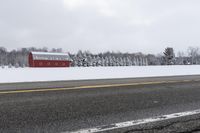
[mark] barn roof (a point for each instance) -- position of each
(50, 56)
(49, 53)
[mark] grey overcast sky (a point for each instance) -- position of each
(146, 26)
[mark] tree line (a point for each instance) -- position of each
(19, 57)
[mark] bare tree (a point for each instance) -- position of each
(180, 58)
(193, 53)
(3, 56)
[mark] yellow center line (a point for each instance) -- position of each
(92, 86)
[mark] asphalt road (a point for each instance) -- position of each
(94, 104)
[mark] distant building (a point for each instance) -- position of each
(46, 59)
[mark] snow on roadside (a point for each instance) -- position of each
(10, 75)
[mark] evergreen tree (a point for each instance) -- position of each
(169, 56)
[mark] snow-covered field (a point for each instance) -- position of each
(9, 75)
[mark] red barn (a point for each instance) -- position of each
(46, 59)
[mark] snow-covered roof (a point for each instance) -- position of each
(48, 53)
(50, 56)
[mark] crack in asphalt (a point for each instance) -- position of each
(171, 127)
(194, 131)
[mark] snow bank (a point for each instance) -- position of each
(9, 75)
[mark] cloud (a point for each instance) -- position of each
(101, 6)
(100, 25)
(74, 4)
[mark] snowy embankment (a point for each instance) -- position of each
(10, 75)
